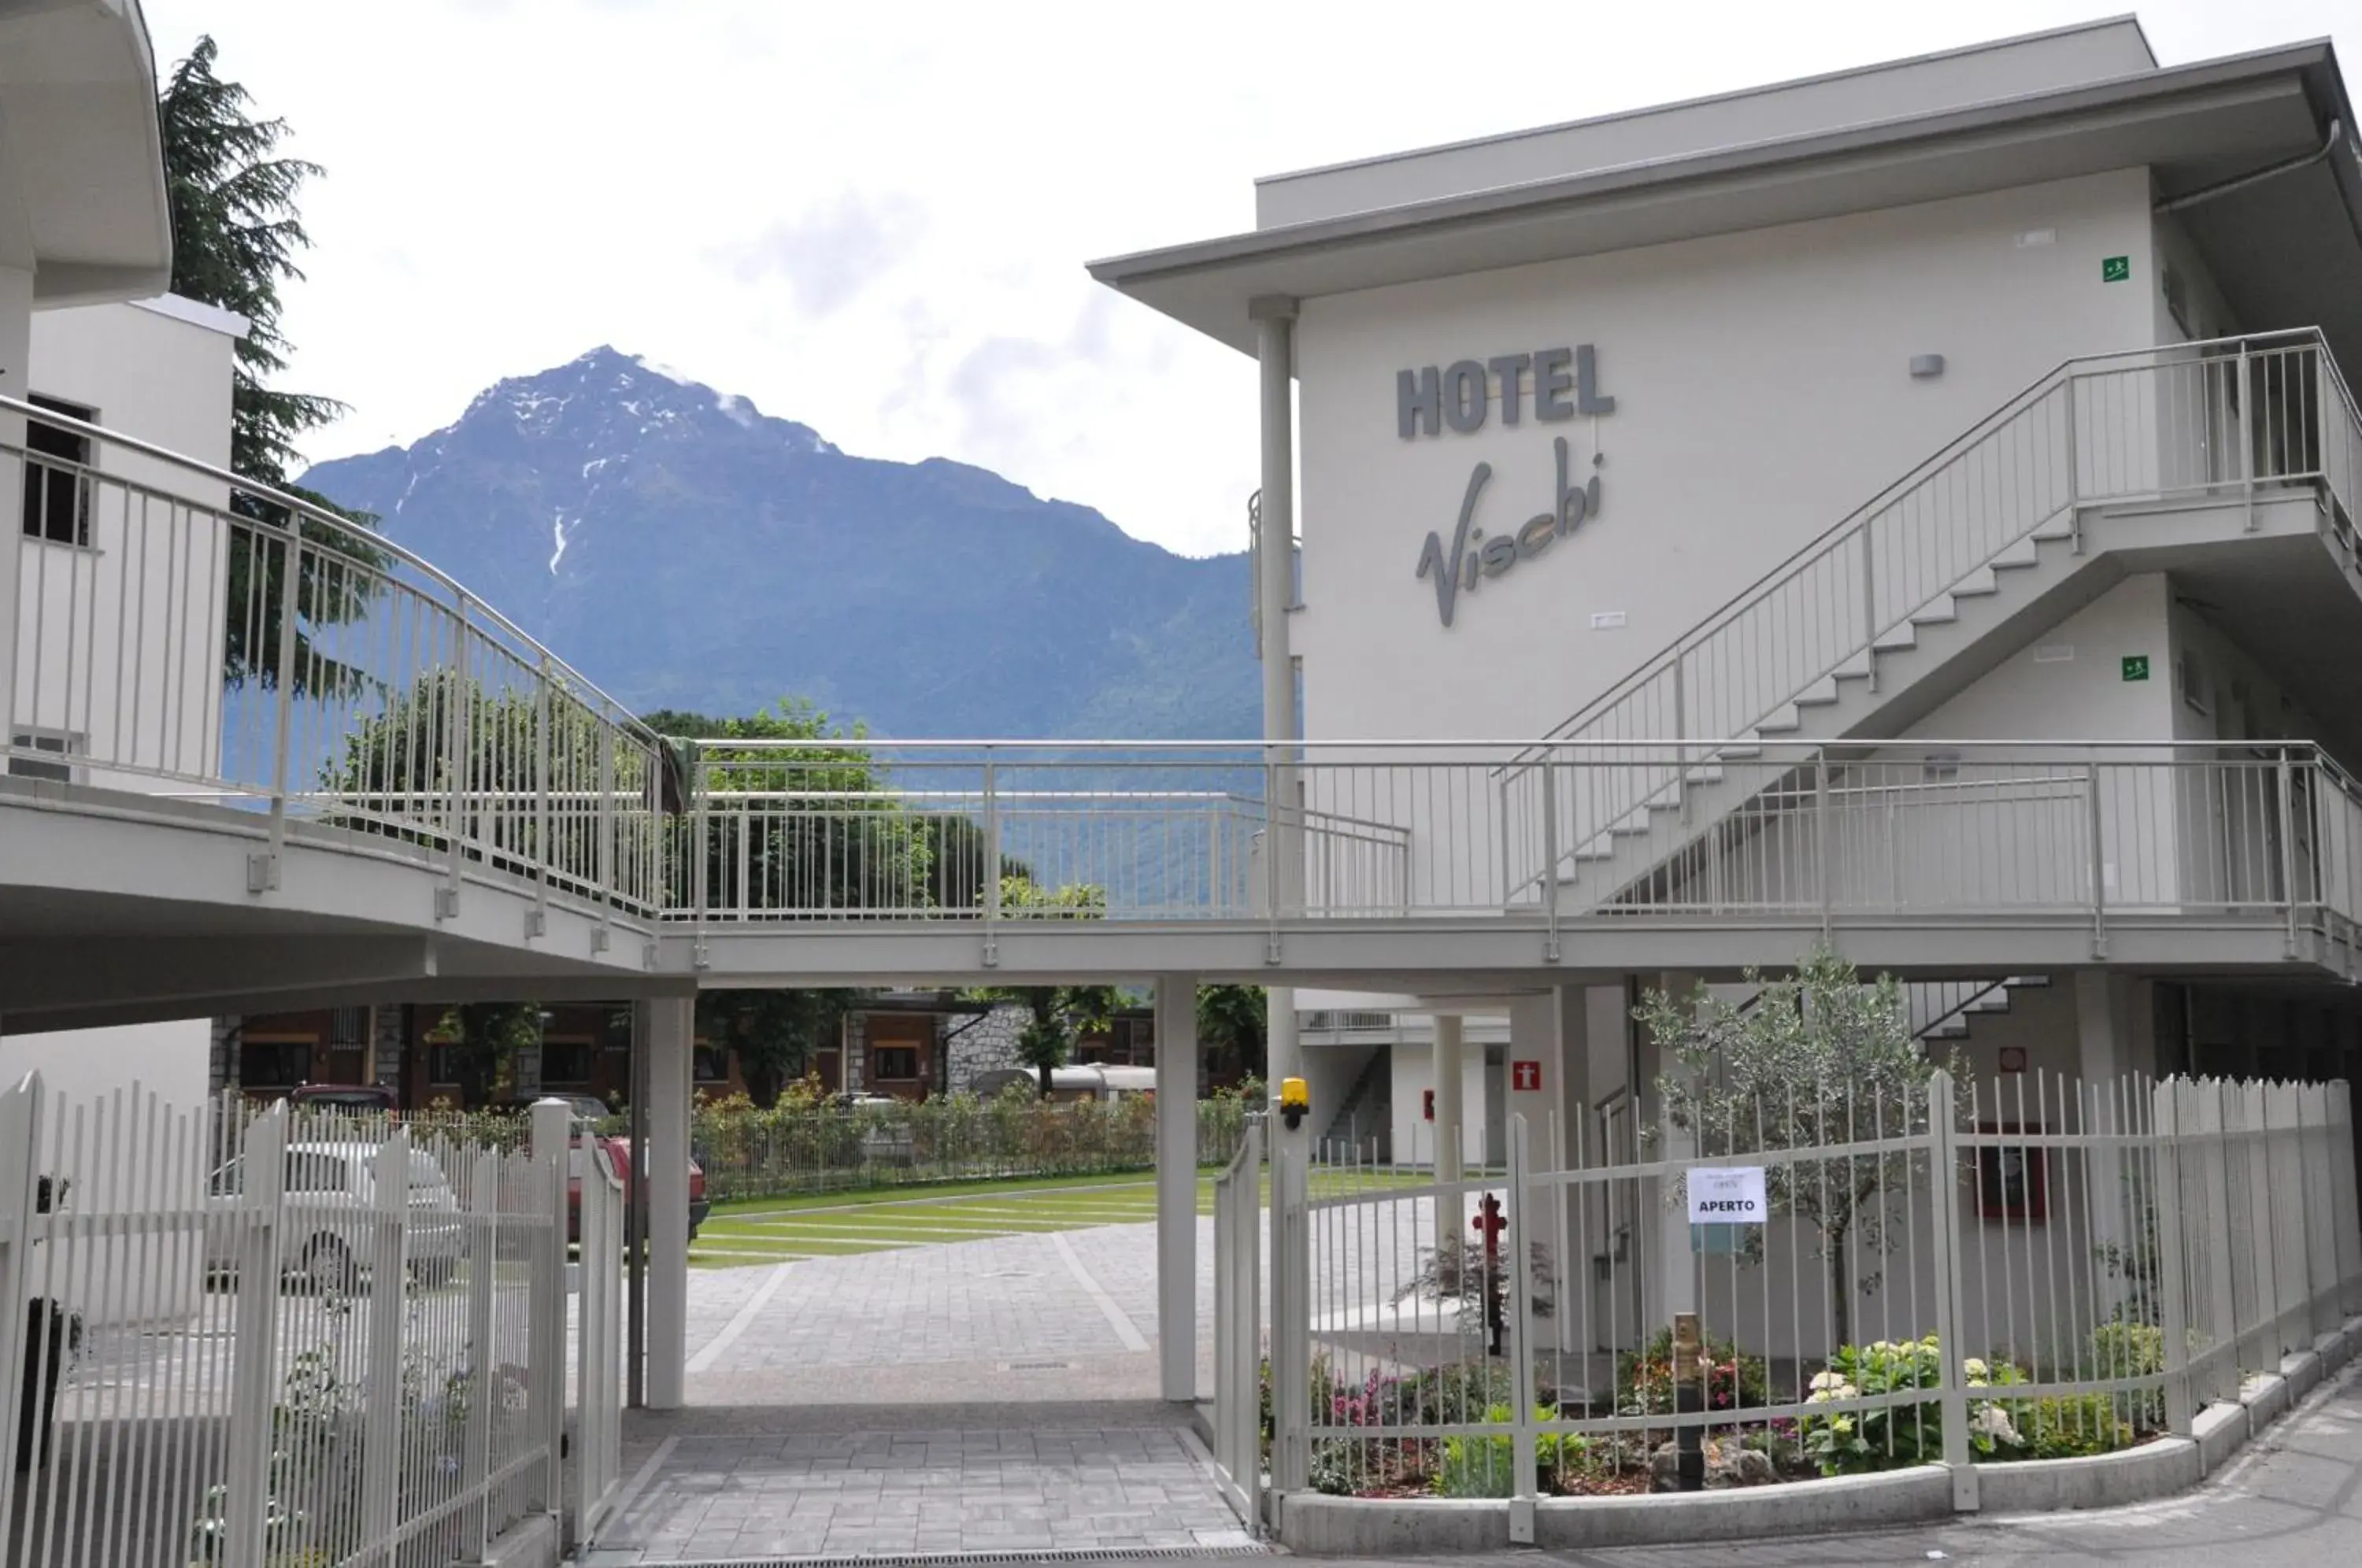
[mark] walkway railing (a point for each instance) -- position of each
(2254, 833)
(180, 631)
(2232, 419)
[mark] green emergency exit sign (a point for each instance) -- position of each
(2136, 667)
(2116, 270)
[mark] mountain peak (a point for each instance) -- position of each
(684, 549)
(615, 400)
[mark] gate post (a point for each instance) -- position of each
(20, 1155)
(544, 1384)
(1944, 1208)
(1518, 1284)
(254, 1379)
(1291, 1312)
(2173, 1318)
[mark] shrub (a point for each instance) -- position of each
(2069, 1428)
(2133, 1350)
(1487, 1466)
(1731, 1381)
(1890, 1437)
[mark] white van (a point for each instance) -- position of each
(1090, 1081)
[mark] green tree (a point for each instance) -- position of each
(1056, 1014)
(1815, 1060)
(774, 1032)
(956, 857)
(1235, 1019)
(481, 1041)
(448, 752)
(792, 827)
(236, 235)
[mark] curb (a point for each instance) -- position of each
(1321, 1526)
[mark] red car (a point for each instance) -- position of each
(619, 1154)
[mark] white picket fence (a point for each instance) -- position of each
(254, 1338)
(1965, 1273)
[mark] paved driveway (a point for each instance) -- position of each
(989, 1395)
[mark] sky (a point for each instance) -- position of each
(874, 218)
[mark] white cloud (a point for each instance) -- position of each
(873, 220)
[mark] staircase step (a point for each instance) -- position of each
(1898, 639)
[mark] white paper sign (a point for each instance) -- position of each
(1729, 1195)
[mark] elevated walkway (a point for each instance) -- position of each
(405, 795)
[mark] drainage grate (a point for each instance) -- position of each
(973, 1558)
(1037, 1366)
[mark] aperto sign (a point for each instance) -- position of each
(1462, 398)
(1727, 1195)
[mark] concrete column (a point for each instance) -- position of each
(671, 1025)
(2102, 1050)
(1450, 1122)
(1177, 1186)
(15, 344)
(1275, 320)
(1539, 1041)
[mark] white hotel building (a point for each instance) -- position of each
(1948, 464)
(1910, 510)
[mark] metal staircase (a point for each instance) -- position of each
(1903, 603)
(1345, 1128)
(1944, 1010)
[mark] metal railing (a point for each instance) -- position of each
(248, 1337)
(2028, 1269)
(2231, 419)
(178, 629)
(1804, 834)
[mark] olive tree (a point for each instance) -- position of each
(1815, 1060)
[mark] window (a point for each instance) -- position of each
(48, 743)
(56, 496)
(349, 1027)
(893, 1063)
(566, 1062)
(712, 1064)
(273, 1063)
(2012, 1178)
(2193, 684)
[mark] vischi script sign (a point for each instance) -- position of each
(1459, 397)
(1727, 1195)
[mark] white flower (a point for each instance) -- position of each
(1828, 1379)
(1976, 1368)
(1995, 1422)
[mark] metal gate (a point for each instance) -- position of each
(1237, 1327)
(595, 1487)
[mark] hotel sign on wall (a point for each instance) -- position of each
(1460, 399)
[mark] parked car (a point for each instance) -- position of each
(366, 1097)
(619, 1152)
(329, 1190)
(581, 1107)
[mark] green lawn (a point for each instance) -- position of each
(781, 1229)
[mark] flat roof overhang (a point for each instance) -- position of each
(81, 147)
(2192, 125)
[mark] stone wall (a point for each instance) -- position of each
(983, 1045)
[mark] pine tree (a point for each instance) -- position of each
(236, 233)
